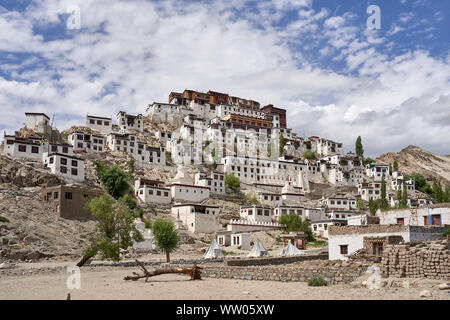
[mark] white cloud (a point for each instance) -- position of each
(131, 53)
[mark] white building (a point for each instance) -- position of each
(371, 190)
(39, 122)
(197, 218)
(15, 147)
(340, 203)
(152, 191)
(436, 215)
(256, 213)
(214, 180)
(241, 240)
(127, 122)
(288, 209)
(345, 240)
(100, 124)
(166, 112)
(66, 166)
(376, 171)
(89, 143)
(321, 227)
(182, 187)
(144, 155)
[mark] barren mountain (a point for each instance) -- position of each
(414, 159)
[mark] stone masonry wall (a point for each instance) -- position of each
(275, 260)
(334, 272)
(425, 260)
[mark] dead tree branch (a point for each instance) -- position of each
(194, 272)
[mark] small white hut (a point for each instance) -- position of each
(258, 250)
(213, 251)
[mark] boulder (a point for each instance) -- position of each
(425, 294)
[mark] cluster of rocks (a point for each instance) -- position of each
(425, 260)
(25, 173)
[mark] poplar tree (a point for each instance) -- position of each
(359, 150)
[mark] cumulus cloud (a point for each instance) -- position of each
(131, 53)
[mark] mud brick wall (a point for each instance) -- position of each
(334, 272)
(426, 260)
(275, 260)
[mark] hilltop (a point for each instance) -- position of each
(414, 159)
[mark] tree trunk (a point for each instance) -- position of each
(194, 272)
(167, 256)
(83, 261)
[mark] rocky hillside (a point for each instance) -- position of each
(414, 159)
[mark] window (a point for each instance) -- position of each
(63, 161)
(68, 195)
(22, 148)
(99, 122)
(74, 163)
(344, 249)
(55, 195)
(34, 149)
(401, 221)
(150, 191)
(52, 160)
(74, 172)
(54, 148)
(158, 193)
(106, 123)
(92, 121)
(63, 170)
(166, 194)
(65, 150)
(9, 141)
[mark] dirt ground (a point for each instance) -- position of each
(107, 283)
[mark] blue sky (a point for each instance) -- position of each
(316, 58)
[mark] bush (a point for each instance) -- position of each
(250, 199)
(114, 179)
(444, 235)
(232, 182)
(317, 282)
(309, 155)
(3, 219)
(148, 223)
(294, 222)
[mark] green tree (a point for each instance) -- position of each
(309, 155)
(366, 161)
(384, 201)
(114, 179)
(404, 202)
(399, 198)
(390, 169)
(395, 167)
(359, 150)
(232, 182)
(437, 192)
(419, 180)
(294, 222)
(129, 201)
(374, 206)
(166, 236)
(131, 165)
(114, 229)
(282, 142)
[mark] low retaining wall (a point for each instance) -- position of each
(333, 273)
(275, 260)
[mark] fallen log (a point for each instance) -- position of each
(194, 272)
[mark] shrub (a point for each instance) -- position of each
(166, 236)
(232, 182)
(309, 155)
(446, 233)
(3, 219)
(317, 282)
(114, 179)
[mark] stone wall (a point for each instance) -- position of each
(334, 272)
(425, 260)
(275, 260)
